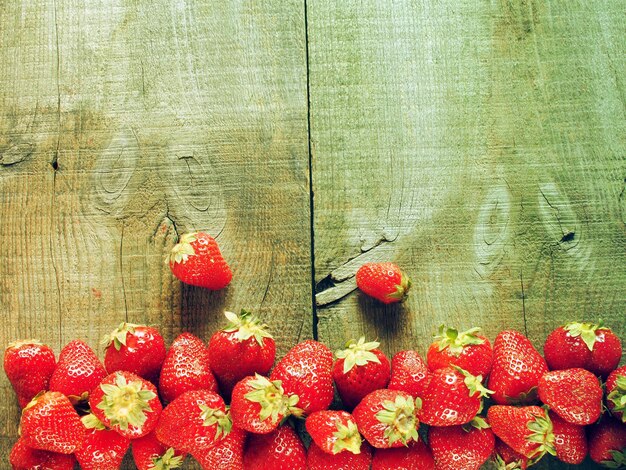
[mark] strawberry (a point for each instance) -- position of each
(29, 364)
(616, 393)
(506, 458)
(317, 459)
(461, 447)
(258, 405)
(102, 449)
(383, 281)
(196, 260)
(334, 431)
(126, 403)
(306, 371)
(409, 373)
(78, 371)
(583, 345)
(453, 397)
(527, 429)
(186, 367)
(468, 350)
(23, 457)
(360, 369)
(387, 418)
(49, 422)
(415, 456)
(570, 441)
(282, 449)
(243, 348)
(138, 349)
(227, 453)
(517, 368)
(607, 443)
(149, 454)
(574, 394)
(194, 422)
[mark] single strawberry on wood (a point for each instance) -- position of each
(334, 431)
(241, 349)
(151, 454)
(387, 418)
(607, 443)
(360, 369)
(139, 349)
(126, 403)
(415, 456)
(306, 371)
(317, 459)
(49, 422)
(29, 364)
(468, 350)
(23, 457)
(102, 449)
(570, 441)
(517, 368)
(383, 281)
(281, 449)
(227, 453)
(616, 393)
(196, 260)
(409, 373)
(461, 447)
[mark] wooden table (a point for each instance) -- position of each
(479, 144)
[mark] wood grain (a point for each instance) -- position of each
(481, 145)
(126, 123)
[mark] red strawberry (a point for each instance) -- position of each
(227, 453)
(453, 397)
(526, 429)
(460, 447)
(149, 454)
(196, 259)
(317, 459)
(126, 403)
(334, 431)
(607, 443)
(570, 441)
(383, 281)
(194, 422)
(282, 449)
(102, 449)
(387, 418)
(23, 457)
(517, 368)
(258, 405)
(583, 345)
(359, 370)
(78, 372)
(468, 350)
(574, 394)
(616, 393)
(49, 422)
(186, 367)
(415, 456)
(506, 458)
(305, 371)
(241, 349)
(409, 373)
(138, 349)
(29, 365)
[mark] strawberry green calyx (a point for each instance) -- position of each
(348, 438)
(118, 336)
(91, 422)
(618, 459)
(618, 396)
(167, 461)
(23, 342)
(453, 340)
(399, 416)
(477, 422)
(183, 249)
(586, 331)
(542, 433)
(402, 289)
(502, 465)
(358, 353)
(271, 396)
(215, 416)
(474, 383)
(246, 326)
(125, 403)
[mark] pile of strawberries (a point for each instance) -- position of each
(228, 405)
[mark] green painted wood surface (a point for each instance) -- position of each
(480, 144)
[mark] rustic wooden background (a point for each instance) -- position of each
(481, 144)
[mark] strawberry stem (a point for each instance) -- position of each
(358, 353)
(125, 403)
(246, 326)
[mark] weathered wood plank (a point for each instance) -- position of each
(479, 145)
(127, 122)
